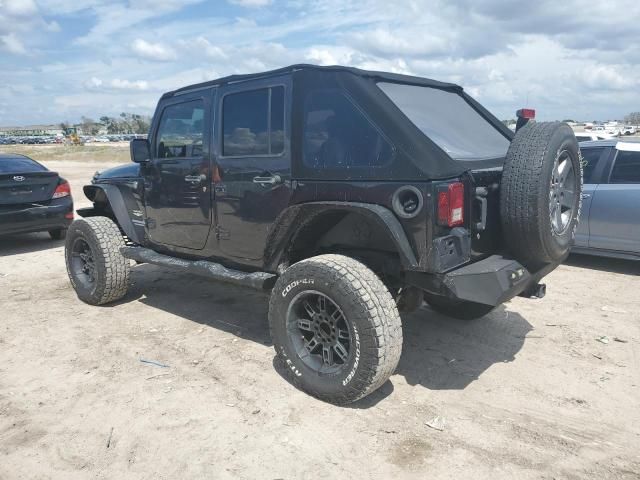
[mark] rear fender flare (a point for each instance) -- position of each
(118, 206)
(293, 219)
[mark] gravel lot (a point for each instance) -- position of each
(526, 392)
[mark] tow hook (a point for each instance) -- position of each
(538, 290)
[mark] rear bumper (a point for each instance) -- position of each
(35, 218)
(491, 281)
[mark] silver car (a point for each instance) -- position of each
(610, 221)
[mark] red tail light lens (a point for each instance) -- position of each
(62, 190)
(451, 205)
(528, 113)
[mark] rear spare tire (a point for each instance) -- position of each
(97, 270)
(540, 194)
(336, 328)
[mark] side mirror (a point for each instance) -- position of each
(140, 151)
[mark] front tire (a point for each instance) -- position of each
(97, 270)
(336, 327)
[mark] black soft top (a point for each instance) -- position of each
(371, 74)
(416, 156)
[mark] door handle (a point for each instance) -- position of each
(270, 180)
(196, 178)
(585, 195)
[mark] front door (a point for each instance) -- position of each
(615, 208)
(177, 180)
(253, 171)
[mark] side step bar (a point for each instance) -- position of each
(257, 280)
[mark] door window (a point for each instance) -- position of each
(338, 135)
(253, 123)
(590, 157)
(626, 168)
(181, 130)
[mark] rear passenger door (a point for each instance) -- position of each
(253, 166)
(614, 220)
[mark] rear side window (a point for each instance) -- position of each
(338, 135)
(181, 130)
(449, 121)
(20, 165)
(627, 168)
(253, 123)
(590, 157)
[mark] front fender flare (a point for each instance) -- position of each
(294, 218)
(118, 206)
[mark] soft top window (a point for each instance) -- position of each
(449, 121)
(19, 165)
(337, 135)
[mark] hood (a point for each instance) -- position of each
(128, 170)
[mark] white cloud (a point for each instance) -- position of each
(93, 83)
(119, 84)
(153, 51)
(201, 45)
(12, 44)
(251, 3)
(19, 8)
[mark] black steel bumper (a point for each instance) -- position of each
(35, 217)
(491, 281)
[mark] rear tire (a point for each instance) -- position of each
(58, 234)
(540, 193)
(459, 309)
(97, 270)
(336, 327)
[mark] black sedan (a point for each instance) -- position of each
(32, 198)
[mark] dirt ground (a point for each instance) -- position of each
(526, 392)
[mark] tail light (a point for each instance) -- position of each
(451, 205)
(62, 190)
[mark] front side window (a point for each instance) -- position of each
(253, 123)
(181, 130)
(449, 121)
(627, 168)
(338, 135)
(590, 158)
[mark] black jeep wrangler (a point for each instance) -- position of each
(351, 195)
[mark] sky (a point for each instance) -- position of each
(62, 59)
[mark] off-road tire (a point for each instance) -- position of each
(374, 323)
(525, 193)
(459, 309)
(58, 234)
(104, 239)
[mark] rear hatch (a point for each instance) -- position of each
(28, 187)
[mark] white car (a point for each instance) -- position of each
(629, 130)
(101, 139)
(592, 136)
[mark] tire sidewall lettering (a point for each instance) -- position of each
(294, 284)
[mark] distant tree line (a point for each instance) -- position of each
(126, 123)
(633, 118)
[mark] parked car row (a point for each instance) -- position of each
(52, 139)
